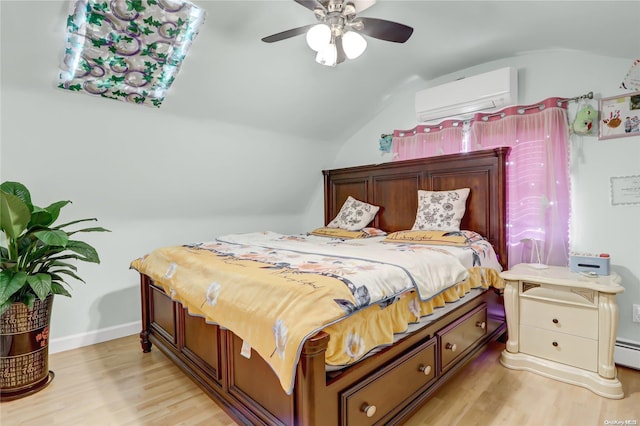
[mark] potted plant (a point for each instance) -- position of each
(36, 260)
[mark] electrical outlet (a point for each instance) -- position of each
(636, 313)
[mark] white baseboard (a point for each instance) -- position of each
(92, 337)
(627, 353)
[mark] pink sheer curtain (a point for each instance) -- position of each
(428, 141)
(538, 203)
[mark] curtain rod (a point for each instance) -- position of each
(577, 98)
(560, 101)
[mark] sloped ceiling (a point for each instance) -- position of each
(230, 75)
(234, 76)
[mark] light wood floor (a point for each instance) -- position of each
(114, 383)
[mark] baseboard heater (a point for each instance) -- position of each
(627, 353)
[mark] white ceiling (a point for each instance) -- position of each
(231, 75)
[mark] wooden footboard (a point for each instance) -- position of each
(382, 389)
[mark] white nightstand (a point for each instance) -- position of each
(563, 325)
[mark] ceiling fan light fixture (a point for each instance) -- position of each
(353, 44)
(328, 55)
(349, 9)
(357, 25)
(337, 34)
(318, 37)
(319, 12)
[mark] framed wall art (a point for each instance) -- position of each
(619, 116)
(625, 190)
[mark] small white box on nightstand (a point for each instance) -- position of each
(591, 264)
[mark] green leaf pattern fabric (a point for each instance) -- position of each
(129, 50)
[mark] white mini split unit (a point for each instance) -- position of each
(484, 92)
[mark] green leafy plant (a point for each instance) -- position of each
(35, 255)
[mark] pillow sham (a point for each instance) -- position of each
(347, 235)
(446, 238)
(440, 210)
(354, 215)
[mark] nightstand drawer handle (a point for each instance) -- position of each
(425, 369)
(481, 324)
(555, 320)
(555, 344)
(451, 346)
(369, 410)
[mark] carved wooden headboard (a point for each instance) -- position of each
(394, 187)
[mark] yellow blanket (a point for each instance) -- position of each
(274, 291)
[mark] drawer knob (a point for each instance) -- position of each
(555, 344)
(481, 324)
(555, 320)
(369, 410)
(451, 346)
(425, 369)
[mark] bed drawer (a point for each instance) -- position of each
(369, 402)
(455, 339)
(572, 319)
(560, 347)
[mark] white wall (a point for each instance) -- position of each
(150, 177)
(596, 225)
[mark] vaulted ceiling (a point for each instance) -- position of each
(231, 75)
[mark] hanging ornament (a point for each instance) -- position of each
(385, 143)
(586, 117)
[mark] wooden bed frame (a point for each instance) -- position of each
(384, 388)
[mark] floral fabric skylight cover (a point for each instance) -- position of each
(129, 50)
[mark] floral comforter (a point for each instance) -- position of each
(273, 290)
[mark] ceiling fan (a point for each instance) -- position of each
(337, 35)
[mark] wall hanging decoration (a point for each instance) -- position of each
(625, 190)
(619, 116)
(385, 142)
(129, 50)
(632, 80)
(584, 122)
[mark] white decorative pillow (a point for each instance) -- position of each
(354, 215)
(440, 210)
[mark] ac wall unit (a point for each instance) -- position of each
(483, 92)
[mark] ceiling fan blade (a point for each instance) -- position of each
(311, 4)
(287, 34)
(385, 30)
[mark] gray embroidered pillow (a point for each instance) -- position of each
(440, 210)
(354, 215)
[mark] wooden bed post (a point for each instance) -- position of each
(146, 320)
(310, 381)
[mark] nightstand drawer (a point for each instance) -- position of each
(565, 348)
(576, 320)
